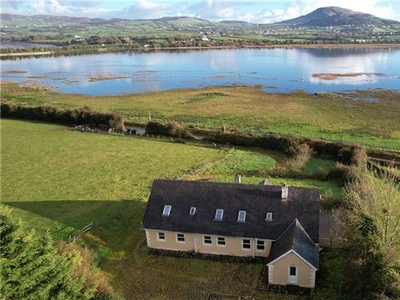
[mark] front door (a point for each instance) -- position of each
(292, 275)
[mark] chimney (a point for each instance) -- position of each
(238, 179)
(285, 191)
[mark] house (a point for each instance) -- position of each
(278, 223)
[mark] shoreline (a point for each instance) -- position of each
(290, 46)
(26, 54)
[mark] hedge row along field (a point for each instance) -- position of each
(283, 143)
(63, 116)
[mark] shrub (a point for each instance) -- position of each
(342, 172)
(330, 201)
(171, 129)
(359, 157)
(300, 158)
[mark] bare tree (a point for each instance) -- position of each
(378, 196)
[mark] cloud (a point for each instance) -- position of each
(12, 6)
(247, 17)
(67, 8)
(144, 9)
(276, 15)
(85, 3)
(49, 7)
(223, 10)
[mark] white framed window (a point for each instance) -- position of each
(246, 244)
(161, 236)
(268, 216)
(192, 211)
(180, 237)
(167, 210)
(219, 214)
(242, 216)
(260, 245)
(221, 241)
(207, 240)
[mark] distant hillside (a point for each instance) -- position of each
(336, 16)
(41, 18)
(325, 16)
(324, 25)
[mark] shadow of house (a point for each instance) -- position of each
(66, 218)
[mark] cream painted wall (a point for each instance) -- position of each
(195, 243)
(278, 272)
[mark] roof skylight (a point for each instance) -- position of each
(167, 210)
(219, 213)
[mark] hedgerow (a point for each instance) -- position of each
(63, 116)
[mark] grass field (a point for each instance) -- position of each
(328, 116)
(60, 180)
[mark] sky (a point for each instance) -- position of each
(261, 12)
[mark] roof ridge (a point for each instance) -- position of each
(287, 229)
(298, 224)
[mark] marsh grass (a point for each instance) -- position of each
(342, 117)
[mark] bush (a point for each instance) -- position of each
(343, 173)
(171, 129)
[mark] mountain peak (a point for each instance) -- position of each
(334, 16)
(335, 10)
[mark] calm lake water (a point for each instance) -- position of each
(277, 70)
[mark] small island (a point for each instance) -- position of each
(333, 76)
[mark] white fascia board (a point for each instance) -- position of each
(292, 251)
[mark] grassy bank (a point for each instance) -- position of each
(370, 118)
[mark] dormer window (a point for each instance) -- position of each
(167, 210)
(268, 216)
(192, 211)
(219, 213)
(242, 216)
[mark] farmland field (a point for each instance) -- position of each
(58, 179)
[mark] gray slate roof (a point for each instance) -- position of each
(256, 200)
(295, 238)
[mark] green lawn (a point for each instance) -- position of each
(54, 174)
(60, 180)
(241, 161)
(317, 165)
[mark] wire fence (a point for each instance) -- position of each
(73, 238)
